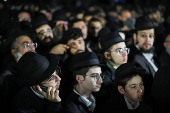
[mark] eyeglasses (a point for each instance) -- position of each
(53, 77)
(96, 76)
(28, 46)
(120, 51)
(44, 33)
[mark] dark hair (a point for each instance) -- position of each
(81, 71)
(123, 81)
(72, 33)
(71, 23)
(94, 20)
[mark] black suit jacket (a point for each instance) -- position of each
(164, 58)
(118, 105)
(74, 104)
(27, 102)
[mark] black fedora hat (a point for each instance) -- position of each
(84, 59)
(34, 68)
(142, 23)
(125, 69)
(109, 39)
(39, 21)
(15, 33)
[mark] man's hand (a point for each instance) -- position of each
(59, 49)
(52, 93)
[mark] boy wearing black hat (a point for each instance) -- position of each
(131, 91)
(87, 76)
(115, 53)
(142, 54)
(39, 77)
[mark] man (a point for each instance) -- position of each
(20, 43)
(115, 53)
(79, 23)
(128, 80)
(87, 76)
(40, 81)
(59, 24)
(45, 35)
(94, 27)
(164, 58)
(142, 54)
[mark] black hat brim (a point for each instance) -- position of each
(145, 28)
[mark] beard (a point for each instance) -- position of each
(146, 51)
(19, 55)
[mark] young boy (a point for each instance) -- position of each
(87, 75)
(130, 86)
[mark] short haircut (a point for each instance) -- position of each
(75, 21)
(81, 71)
(72, 33)
(124, 80)
(14, 44)
(94, 20)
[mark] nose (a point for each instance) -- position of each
(140, 90)
(100, 80)
(32, 48)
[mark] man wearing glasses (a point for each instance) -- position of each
(87, 76)
(115, 52)
(20, 43)
(40, 81)
(142, 51)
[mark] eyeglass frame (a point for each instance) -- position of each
(95, 76)
(121, 52)
(28, 46)
(44, 33)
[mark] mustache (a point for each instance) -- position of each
(147, 43)
(79, 51)
(49, 37)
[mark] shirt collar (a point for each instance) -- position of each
(129, 106)
(85, 100)
(110, 66)
(39, 95)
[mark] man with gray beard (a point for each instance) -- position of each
(19, 43)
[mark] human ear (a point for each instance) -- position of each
(79, 79)
(165, 44)
(121, 90)
(107, 55)
(134, 37)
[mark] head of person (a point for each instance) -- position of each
(79, 23)
(125, 14)
(114, 49)
(60, 20)
(94, 26)
(143, 34)
(73, 37)
(46, 11)
(43, 29)
(35, 69)
(24, 16)
(87, 71)
(167, 43)
(155, 15)
(87, 17)
(20, 42)
(128, 80)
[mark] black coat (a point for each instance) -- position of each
(27, 102)
(74, 104)
(164, 58)
(118, 105)
(107, 90)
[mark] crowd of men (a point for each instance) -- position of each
(88, 61)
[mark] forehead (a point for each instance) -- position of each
(94, 69)
(148, 31)
(72, 40)
(135, 80)
(23, 39)
(44, 27)
(78, 24)
(118, 45)
(95, 24)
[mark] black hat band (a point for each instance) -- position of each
(89, 62)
